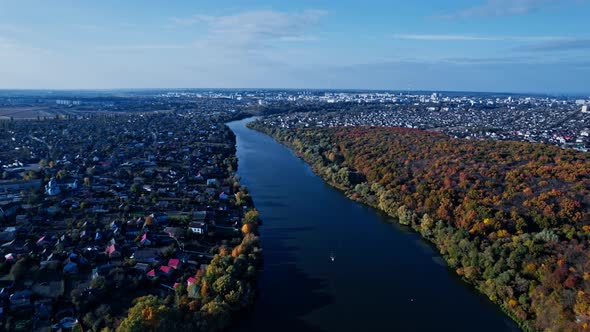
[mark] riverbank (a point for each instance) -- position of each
(447, 238)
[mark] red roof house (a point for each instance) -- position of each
(166, 270)
(174, 263)
(113, 251)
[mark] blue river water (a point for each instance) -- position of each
(332, 264)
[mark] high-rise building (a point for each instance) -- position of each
(585, 109)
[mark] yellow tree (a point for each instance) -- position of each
(248, 229)
(149, 220)
(146, 315)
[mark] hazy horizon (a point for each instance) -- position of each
(110, 90)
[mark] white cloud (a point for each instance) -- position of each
(10, 47)
(187, 21)
(430, 37)
(242, 48)
(257, 40)
(87, 27)
(143, 47)
(572, 44)
(256, 28)
(466, 37)
(495, 8)
(299, 39)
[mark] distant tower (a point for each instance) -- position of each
(585, 109)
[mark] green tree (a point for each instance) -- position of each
(426, 224)
(405, 215)
(19, 269)
(217, 315)
(224, 284)
(251, 217)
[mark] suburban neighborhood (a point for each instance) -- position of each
(137, 203)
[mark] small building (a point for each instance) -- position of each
(197, 227)
(72, 185)
(52, 188)
(192, 291)
(42, 241)
(174, 232)
(23, 218)
(15, 186)
(146, 255)
(71, 268)
(191, 281)
(8, 235)
(144, 240)
(174, 263)
(131, 231)
(166, 270)
(20, 299)
(200, 215)
(113, 251)
(103, 270)
(8, 209)
(142, 267)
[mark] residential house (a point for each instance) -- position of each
(113, 251)
(20, 299)
(145, 241)
(71, 268)
(146, 255)
(198, 227)
(52, 188)
(166, 271)
(175, 232)
(174, 263)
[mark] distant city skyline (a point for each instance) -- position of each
(536, 46)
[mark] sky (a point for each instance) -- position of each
(540, 46)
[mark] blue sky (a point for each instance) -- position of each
(479, 45)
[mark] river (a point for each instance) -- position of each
(382, 276)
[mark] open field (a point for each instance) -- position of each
(24, 112)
